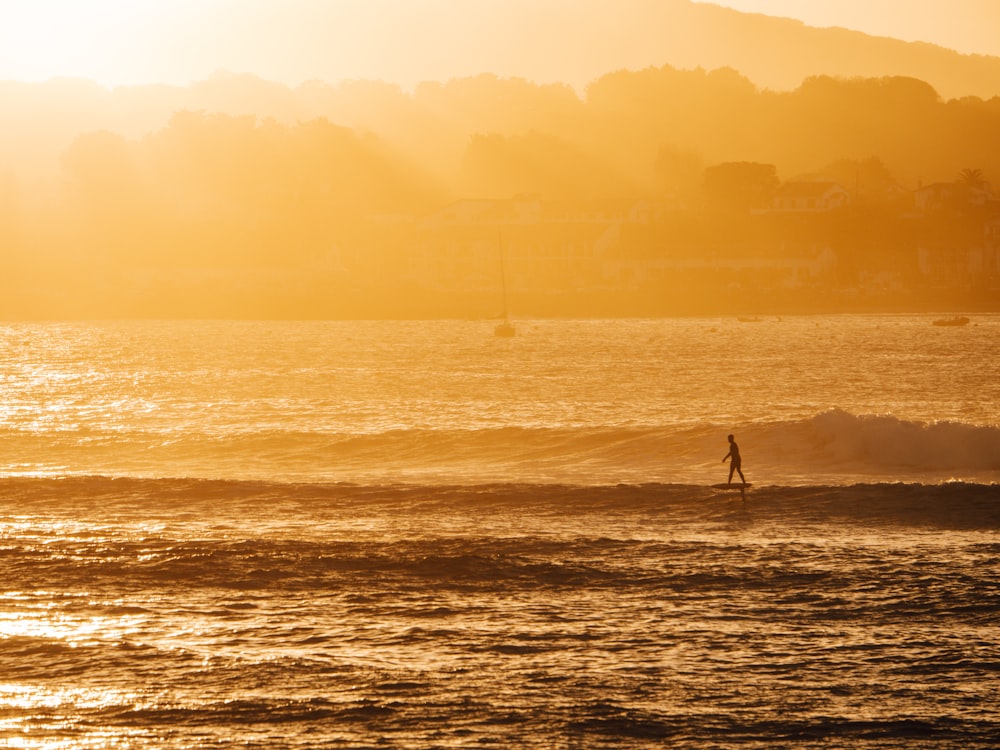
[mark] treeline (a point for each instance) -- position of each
(323, 167)
(625, 121)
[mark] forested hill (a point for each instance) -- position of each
(536, 80)
(631, 133)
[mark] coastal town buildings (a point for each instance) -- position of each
(811, 233)
(811, 195)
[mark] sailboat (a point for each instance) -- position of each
(505, 328)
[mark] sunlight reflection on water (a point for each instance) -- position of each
(277, 605)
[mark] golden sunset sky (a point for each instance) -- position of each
(967, 26)
(132, 42)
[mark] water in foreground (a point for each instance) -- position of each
(185, 560)
(139, 613)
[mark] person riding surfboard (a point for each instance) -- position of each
(735, 462)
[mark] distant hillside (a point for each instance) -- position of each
(779, 53)
(596, 39)
(775, 53)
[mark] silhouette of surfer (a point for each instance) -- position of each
(735, 462)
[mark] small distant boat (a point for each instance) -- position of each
(749, 319)
(504, 329)
(957, 320)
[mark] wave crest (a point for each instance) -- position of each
(883, 441)
(834, 447)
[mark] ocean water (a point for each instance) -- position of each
(417, 535)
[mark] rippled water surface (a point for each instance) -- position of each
(273, 616)
(574, 401)
(414, 535)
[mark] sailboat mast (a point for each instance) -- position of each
(503, 276)
(504, 328)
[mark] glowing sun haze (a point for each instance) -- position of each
(41, 39)
(132, 42)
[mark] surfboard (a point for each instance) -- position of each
(733, 486)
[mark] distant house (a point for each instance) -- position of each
(950, 195)
(934, 196)
(810, 196)
(991, 249)
(960, 249)
(991, 229)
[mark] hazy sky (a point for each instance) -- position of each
(969, 26)
(178, 41)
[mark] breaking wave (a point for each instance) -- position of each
(831, 447)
